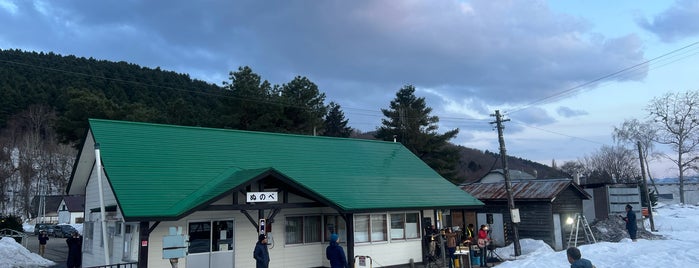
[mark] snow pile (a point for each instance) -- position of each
(614, 230)
(678, 230)
(13, 255)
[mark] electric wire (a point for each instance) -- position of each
(579, 87)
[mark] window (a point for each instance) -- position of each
(404, 226)
(370, 228)
(335, 224)
(117, 228)
(303, 229)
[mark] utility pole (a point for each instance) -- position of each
(645, 186)
(508, 184)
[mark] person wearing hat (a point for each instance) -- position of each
(261, 254)
(630, 222)
(335, 253)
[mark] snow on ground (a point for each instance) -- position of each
(677, 223)
(14, 255)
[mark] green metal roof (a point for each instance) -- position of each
(164, 171)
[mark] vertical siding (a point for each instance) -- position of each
(96, 255)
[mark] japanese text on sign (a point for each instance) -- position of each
(261, 197)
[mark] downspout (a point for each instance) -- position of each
(103, 219)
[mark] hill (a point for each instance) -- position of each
(474, 163)
(71, 89)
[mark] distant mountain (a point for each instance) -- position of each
(73, 89)
(474, 163)
(676, 180)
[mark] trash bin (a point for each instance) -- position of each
(475, 260)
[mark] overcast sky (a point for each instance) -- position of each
(565, 72)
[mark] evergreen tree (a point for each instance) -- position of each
(304, 107)
(335, 124)
(409, 121)
(250, 106)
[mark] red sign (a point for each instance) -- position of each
(144, 243)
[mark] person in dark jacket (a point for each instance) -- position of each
(575, 259)
(261, 254)
(335, 253)
(75, 245)
(631, 222)
(43, 238)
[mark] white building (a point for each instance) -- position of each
(375, 195)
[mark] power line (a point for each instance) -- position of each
(557, 133)
(605, 77)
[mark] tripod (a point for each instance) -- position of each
(492, 254)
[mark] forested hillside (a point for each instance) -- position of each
(46, 99)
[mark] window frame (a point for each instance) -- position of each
(305, 235)
(370, 233)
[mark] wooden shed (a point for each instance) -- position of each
(545, 205)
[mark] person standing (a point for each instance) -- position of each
(335, 253)
(483, 242)
(630, 222)
(451, 246)
(261, 254)
(575, 259)
(431, 236)
(469, 236)
(75, 245)
(43, 238)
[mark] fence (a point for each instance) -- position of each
(118, 265)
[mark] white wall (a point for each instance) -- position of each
(691, 194)
(95, 255)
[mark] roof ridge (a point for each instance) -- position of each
(235, 130)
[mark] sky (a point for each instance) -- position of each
(565, 72)
(678, 224)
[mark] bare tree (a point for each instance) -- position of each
(632, 132)
(676, 118)
(573, 168)
(611, 164)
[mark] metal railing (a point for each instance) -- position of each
(118, 265)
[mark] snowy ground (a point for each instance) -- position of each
(677, 223)
(14, 255)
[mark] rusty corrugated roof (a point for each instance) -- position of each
(522, 190)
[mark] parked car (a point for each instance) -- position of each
(47, 227)
(63, 230)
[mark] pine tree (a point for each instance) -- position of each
(409, 121)
(335, 124)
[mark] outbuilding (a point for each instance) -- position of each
(546, 208)
(219, 189)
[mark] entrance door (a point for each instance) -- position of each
(211, 244)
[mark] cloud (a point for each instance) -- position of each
(359, 52)
(568, 112)
(533, 116)
(8, 6)
(677, 22)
